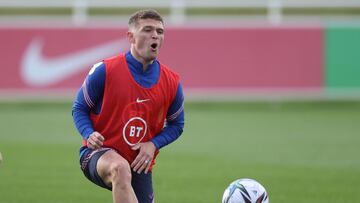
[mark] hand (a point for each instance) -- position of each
(95, 140)
(144, 158)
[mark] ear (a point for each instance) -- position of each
(130, 36)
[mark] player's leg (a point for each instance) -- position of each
(115, 171)
(106, 168)
(142, 184)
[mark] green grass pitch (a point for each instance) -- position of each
(300, 152)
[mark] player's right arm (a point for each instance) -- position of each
(89, 99)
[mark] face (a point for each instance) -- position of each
(146, 39)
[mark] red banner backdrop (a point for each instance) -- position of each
(42, 59)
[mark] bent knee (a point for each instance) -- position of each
(113, 168)
(120, 171)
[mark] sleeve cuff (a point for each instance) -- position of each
(87, 133)
(155, 143)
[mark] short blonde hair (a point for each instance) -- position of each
(145, 14)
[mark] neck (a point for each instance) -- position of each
(140, 59)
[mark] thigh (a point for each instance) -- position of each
(143, 188)
(89, 162)
(106, 163)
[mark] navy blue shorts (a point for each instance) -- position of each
(141, 183)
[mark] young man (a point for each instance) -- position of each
(121, 110)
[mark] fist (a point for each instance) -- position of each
(95, 140)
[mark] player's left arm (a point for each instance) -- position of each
(174, 121)
(172, 131)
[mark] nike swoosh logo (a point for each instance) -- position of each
(37, 70)
(141, 100)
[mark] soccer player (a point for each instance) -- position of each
(128, 108)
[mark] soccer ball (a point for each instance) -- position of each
(245, 191)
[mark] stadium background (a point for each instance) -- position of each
(272, 90)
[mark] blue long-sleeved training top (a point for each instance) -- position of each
(90, 95)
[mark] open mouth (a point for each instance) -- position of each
(154, 45)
